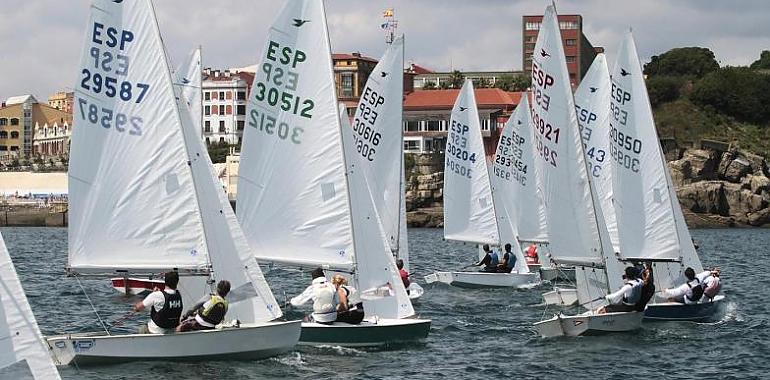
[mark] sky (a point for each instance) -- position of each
(41, 40)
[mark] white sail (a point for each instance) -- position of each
(592, 105)
(643, 201)
(403, 237)
(469, 213)
(375, 266)
(189, 78)
(513, 181)
(23, 354)
(378, 140)
(577, 231)
(293, 127)
(131, 207)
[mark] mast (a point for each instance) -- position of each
(401, 179)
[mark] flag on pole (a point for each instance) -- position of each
(388, 13)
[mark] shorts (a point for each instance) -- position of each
(191, 324)
(619, 308)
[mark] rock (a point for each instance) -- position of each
(760, 185)
(695, 165)
(742, 202)
(734, 166)
(759, 218)
(704, 197)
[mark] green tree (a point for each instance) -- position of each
(456, 79)
(763, 63)
(510, 82)
(429, 86)
(482, 82)
(663, 89)
(687, 61)
(219, 151)
(739, 92)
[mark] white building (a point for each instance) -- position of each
(224, 105)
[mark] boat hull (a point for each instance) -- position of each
(561, 296)
(674, 311)
(589, 324)
(415, 291)
(483, 279)
(136, 286)
(247, 342)
(370, 333)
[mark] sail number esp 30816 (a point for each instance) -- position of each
(365, 137)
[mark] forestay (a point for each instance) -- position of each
(378, 138)
(513, 180)
(22, 351)
(592, 105)
(131, 207)
(292, 197)
(375, 267)
(577, 231)
(469, 213)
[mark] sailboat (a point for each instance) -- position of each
(302, 200)
(592, 106)
(471, 211)
(380, 152)
(23, 352)
(188, 80)
(651, 225)
(143, 200)
(577, 233)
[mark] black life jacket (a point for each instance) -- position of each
(168, 317)
(648, 290)
(697, 291)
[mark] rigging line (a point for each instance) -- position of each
(92, 306)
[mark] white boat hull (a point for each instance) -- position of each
(484, 279)
(415, 291)
(674, 311)
(561, 296)
(370, 333)
(247, 342)
(589, 324)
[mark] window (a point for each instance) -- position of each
(221, 95)
(14, 121)
(14, 148)
(240, 109)
(531, 39)
(433, 125)
(240, 124)
(411, 145)
(411, 126)
(570, 59)
(207, 110)
(208, 142)
(486, 124)
(241, 95)
(207, 126)
(568, 25)
(3, 135)
(14, 135)
(532, 26)
(570, 42)
(222, 126)
(221, 110)
(347, 84)
(221, 140)
(206, 95)
(229, 95)
(3, 121)
(529, 46)
(3, 148)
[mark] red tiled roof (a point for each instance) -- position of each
(417, 69)
(341, 56)
(445, 99)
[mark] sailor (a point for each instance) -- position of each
(509, 260)
(350, 308)
(489, 261)
(711, 283)
(324, 296)
(531, 253)
(209, 312)
(403, 273)
(165, 307)
(627, 297)
(688, 293)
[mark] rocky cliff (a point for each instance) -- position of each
(717, 186)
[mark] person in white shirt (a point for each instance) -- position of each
(688, 293)
(711, 282)
(165, 307)
(626, 298)
(324, 296)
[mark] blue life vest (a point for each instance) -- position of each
(495, 260)
(511, 260)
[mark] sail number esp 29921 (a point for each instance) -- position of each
(546, 135)
(105, 75)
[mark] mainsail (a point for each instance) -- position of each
(469, 213)
(22, 351)
(293, 128)
(131, 207)
(592, 105)
(513, 181)
(577, 232)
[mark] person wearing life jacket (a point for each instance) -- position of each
(165, 307)
(711, 282)
(324, 296)
(489, 260)
(531, 254)
(688, 293)
(626, 298)
(509, 260)
(648, 287)
(403, 273)
(350, 308)
(209, 312)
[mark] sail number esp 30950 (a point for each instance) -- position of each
(105, 75)
(274, 92)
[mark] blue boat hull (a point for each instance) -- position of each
(672, 311)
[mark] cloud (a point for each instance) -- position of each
(43, 56)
